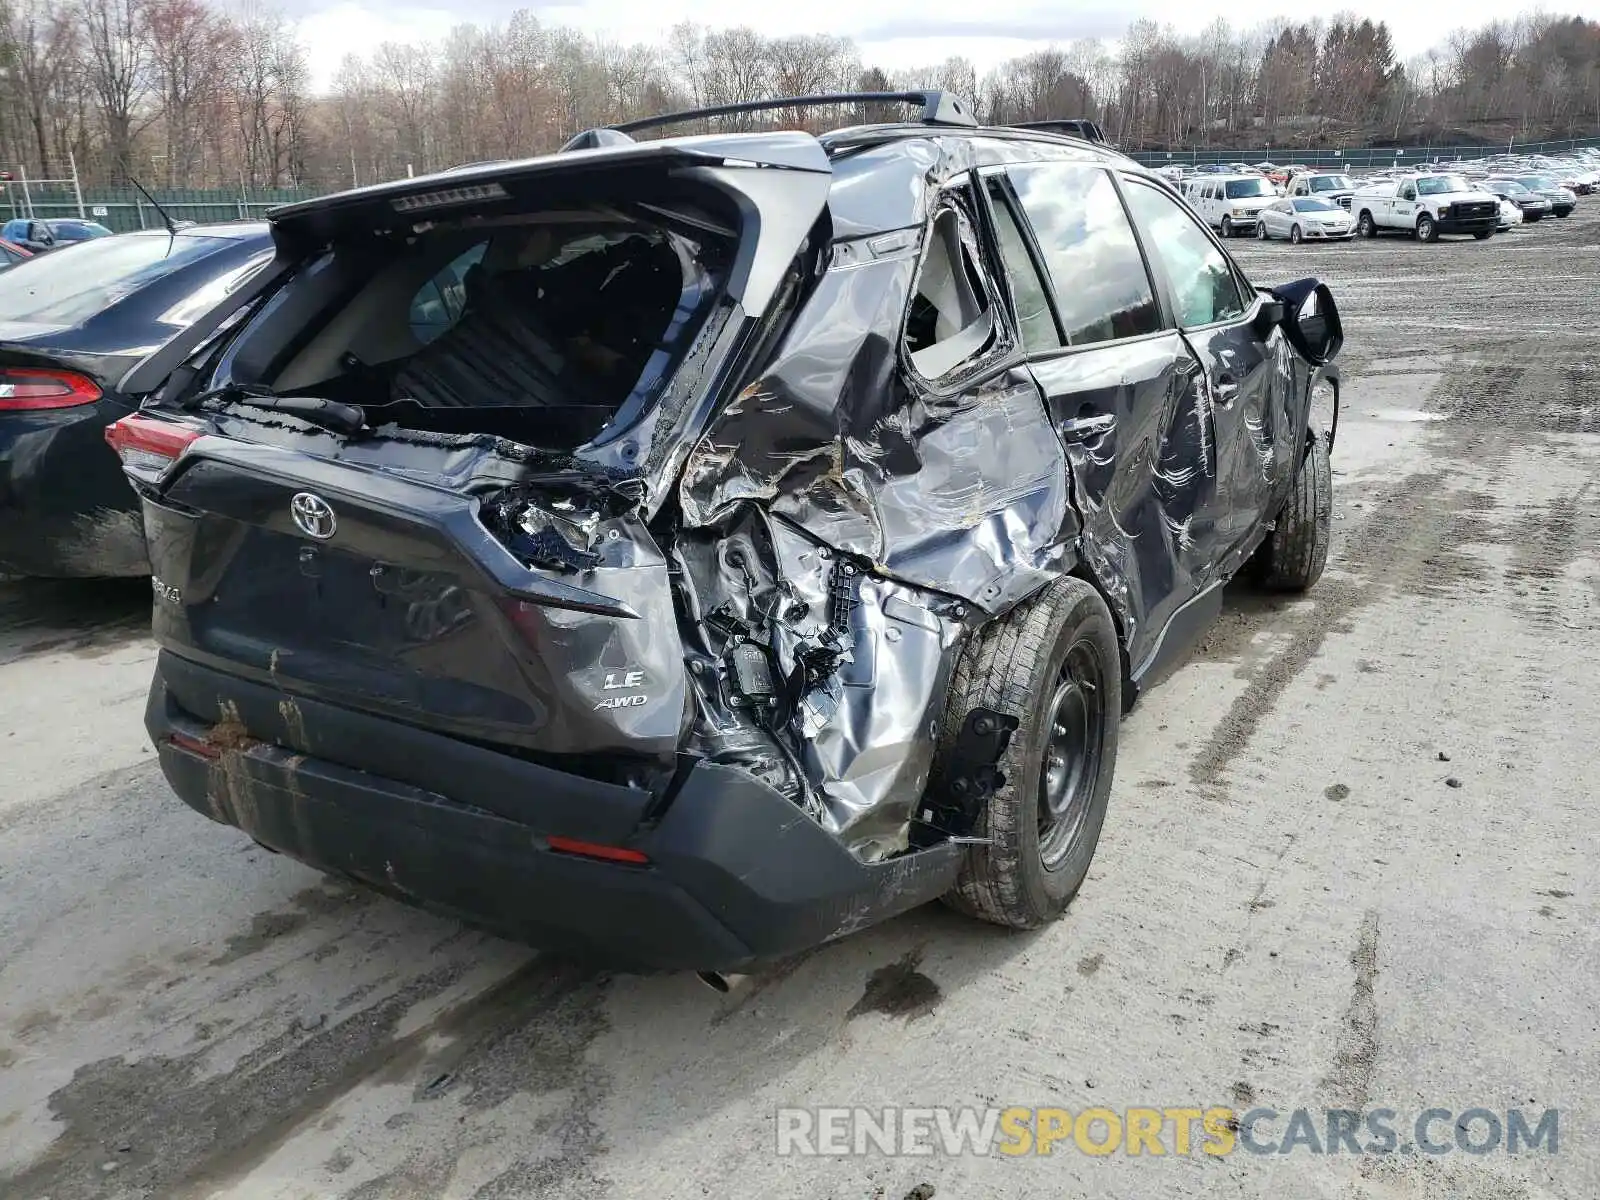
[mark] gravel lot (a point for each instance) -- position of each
(1350, 861)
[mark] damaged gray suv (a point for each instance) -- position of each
(685, 552)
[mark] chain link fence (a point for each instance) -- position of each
(1353, 159)
(123, 209)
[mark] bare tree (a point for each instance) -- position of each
(118, 69)
(43, 44)
(189, 48)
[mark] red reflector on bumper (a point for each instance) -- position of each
(194, 745)
(595, 850)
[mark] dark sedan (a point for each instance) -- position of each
(1533, 205)
(42, 235)
(1562, 200)
(71, 325)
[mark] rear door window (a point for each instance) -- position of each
(1097, 274)
(1028, 289)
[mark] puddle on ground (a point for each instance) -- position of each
(1405, 414)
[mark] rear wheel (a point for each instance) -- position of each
(1427, 230)
(1054, 663)
(1296, 551)
(1294, 234)
(1365, 226)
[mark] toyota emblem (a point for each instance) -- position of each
(313, 515)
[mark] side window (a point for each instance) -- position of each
(438, 304)
(1408, 192)
(950, 321)
(1034, 318)
(1101, 287)
(1205, 288)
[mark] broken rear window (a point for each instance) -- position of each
(543, 328)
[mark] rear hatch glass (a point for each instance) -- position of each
(543, 330)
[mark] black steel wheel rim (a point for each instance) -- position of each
(1070, 772)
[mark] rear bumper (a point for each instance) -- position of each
(735, 874)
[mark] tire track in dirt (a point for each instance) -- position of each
(1411, 540)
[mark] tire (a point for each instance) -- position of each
(1295, 235)
(1016, 666)
(1483, 235)
(1427, 229)
(1296, 551)
(1227, 227)
(1564, 214)
(1366, 226)
(1261, 231)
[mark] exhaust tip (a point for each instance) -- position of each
(720, 983)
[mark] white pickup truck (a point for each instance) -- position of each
(1425, 205)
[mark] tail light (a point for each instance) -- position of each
(616, 854)
(148, 446)
(28, 388)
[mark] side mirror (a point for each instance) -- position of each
(1270, 313)
(1311, 320)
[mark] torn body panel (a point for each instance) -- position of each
(962, 492)
(825, 679)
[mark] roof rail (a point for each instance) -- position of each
(938, 108)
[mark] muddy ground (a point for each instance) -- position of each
(1351, 861)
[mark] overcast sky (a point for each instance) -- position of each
(890, 33)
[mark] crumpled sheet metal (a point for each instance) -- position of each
(961, 493)
(864, 662)
(870, 730)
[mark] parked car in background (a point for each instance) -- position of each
(40, 236)
(1299, 218)
(1510, 216)
(72, 323)
(1333, 186)
(11, 254)
(1533, 206)
(572, 620)
(1425, 205)
(1576, 176)
(1229, 203)
(1562, 200)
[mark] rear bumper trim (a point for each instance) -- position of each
(736, 873)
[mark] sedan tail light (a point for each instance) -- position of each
(30, 388)
(146, 445)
